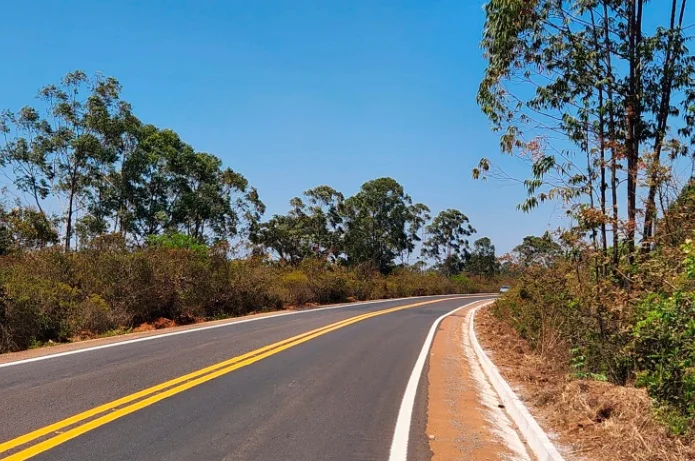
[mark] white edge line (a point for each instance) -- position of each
(536, 438)
(208, 327)
(401, 435)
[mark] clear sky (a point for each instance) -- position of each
(293, 93)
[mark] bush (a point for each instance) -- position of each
(48, 295)
(665, 349)
(665, 343)
(597, 329)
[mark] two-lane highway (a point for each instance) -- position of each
(317, 385)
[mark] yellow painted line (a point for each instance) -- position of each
(190, 380)
(144, 393)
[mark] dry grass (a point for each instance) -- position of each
(589, 420)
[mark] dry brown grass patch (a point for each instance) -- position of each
(589, 420)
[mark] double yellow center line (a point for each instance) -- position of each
(91, 419)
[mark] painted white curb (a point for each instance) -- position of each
(537, 440)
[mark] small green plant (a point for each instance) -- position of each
(178, 241)
(578, 364)
(675, 422)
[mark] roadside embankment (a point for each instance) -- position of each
(587, 419)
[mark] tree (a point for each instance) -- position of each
(67, 151)
(325, 219)
(160, 184)
(589, 75)
(25, 229)
(310, 229)
(448, 241)
(209, 199)
(27, 153)
(540, 251)
(144, 191)
(380, 223)
(483, 261)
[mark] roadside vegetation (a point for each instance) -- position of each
(599, 103)
(107, 223)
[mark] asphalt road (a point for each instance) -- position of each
(333, 397)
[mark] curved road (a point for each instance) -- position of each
(325, 384)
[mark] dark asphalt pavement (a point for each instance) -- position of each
(335, 397)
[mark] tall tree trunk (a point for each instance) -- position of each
(68, 223)
(612, 138)
(633, 119)
(603, 186)
(661, 122)
(590, 173)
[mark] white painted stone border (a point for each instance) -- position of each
(537, 440)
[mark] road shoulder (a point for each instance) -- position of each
(464, 419)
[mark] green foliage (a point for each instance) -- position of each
(309, 230)
(178, 241)
(25, 229)
(578, 365)
(373, 227)
(483, 261)
(149, 225)
(448, 241)
(381, 223)
(600, 331)
(85, 146)
(48, 295)
(665, 343)
(589, 97)
(537, 250)
(674, 420)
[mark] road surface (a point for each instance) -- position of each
(318, 385)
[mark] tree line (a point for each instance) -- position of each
(88, 155)
(379, 225)
(82, 165)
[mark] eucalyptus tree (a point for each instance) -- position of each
(447, 241)
(482, 260)
(585, 94)
(64, 149)
(380, 222)
(537, 251)
(311, 229)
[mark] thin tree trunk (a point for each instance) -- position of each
(633, 120)
(662, 121)
(602, 144)
(68, 224)
(612, 140)
(590, 175)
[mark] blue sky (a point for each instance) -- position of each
(292, 94)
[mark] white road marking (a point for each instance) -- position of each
(202, 328)
(401, 435)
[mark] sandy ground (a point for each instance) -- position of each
(464, 419)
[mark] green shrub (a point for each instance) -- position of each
(665, 349)
(665, 343)
(178, 241)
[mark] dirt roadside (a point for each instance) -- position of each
(464, 420)
(587, 420)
